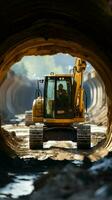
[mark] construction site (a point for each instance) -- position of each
(56, 100)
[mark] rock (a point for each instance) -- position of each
(86, 162)
(63, 185)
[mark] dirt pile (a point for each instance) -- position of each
(8, 143)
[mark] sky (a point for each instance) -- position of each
(38, 66)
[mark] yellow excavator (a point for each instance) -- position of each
(58, 114)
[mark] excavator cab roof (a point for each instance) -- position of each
(52, 74)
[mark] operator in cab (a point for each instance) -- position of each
(61, 97)
(61, 91)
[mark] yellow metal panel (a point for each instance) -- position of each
(63, 121)
(37, 119)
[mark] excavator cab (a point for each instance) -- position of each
(58, 97)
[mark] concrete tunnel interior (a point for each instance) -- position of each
(47, 30)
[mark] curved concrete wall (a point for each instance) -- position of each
(22, 94)
(17, 94)
(97, 106)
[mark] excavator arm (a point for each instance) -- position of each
(78, 73)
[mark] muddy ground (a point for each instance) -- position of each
(59, 173)
(63, 179)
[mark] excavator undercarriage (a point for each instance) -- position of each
(78, 133)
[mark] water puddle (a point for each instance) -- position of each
(21, 185)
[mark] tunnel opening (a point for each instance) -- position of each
(21, 84)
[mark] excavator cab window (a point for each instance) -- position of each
(58, 97)
(49, 97)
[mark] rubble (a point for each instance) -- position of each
(8, 142)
